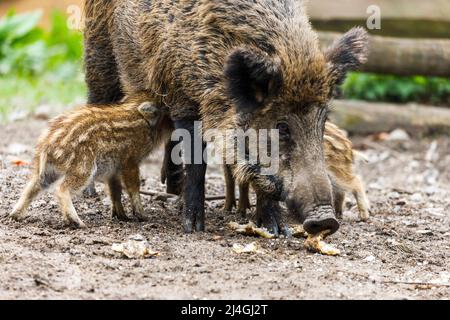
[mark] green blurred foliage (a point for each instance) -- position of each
(374, 87)
(27, 50)
(39, 66)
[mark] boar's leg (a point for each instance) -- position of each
(268, 214)
(171, 174)
(194, 188)
(230, 186)
(269, 190)
(102, 75)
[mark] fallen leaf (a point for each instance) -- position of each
(382, 136)
(298, 232)
(19, 163)
(249, 248)
(135, 248)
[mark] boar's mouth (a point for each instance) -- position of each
(319, 219)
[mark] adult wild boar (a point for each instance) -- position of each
(233, 64)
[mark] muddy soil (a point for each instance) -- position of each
(403, 252)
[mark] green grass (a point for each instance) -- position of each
(374, 87)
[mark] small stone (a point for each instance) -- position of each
(401, 202)
(438, 212)
(398, 135)
(370, 258)
(43, 112)
(425, 232)
(16, 148)
(416, 197)
(137, 264)
(430, 190)
(17, 115)
(393, 195)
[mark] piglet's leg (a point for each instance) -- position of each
(230, 199)
(361, 198)
(115, 193)
(230, 185)
(244, 200)
(63, 194)
(131, 180)
(338, 200)
(31, 191)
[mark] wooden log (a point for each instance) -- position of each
(404, 57)
(431, 10)
(399, 18)
(365, 117)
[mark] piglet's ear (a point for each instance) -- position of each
(252, 78)
(150, 112)
(347, 53)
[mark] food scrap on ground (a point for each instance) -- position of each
(314, 243)
(137, 247)
(249, 248)
(250, 229)
(297, 231)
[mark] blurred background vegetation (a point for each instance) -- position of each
(41, 67)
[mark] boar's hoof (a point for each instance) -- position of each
(321, 219)
(200, 226)
(188, 225)
(269, 222)
(190, 222)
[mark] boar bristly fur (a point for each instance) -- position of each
(233, 64)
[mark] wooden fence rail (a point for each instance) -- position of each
(404, 57)
(368, 117)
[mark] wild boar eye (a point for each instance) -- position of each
(283, 129)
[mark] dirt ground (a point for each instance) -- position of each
(403, 252)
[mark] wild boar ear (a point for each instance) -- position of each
(150, 112)
(251, 78)
(347, 53)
